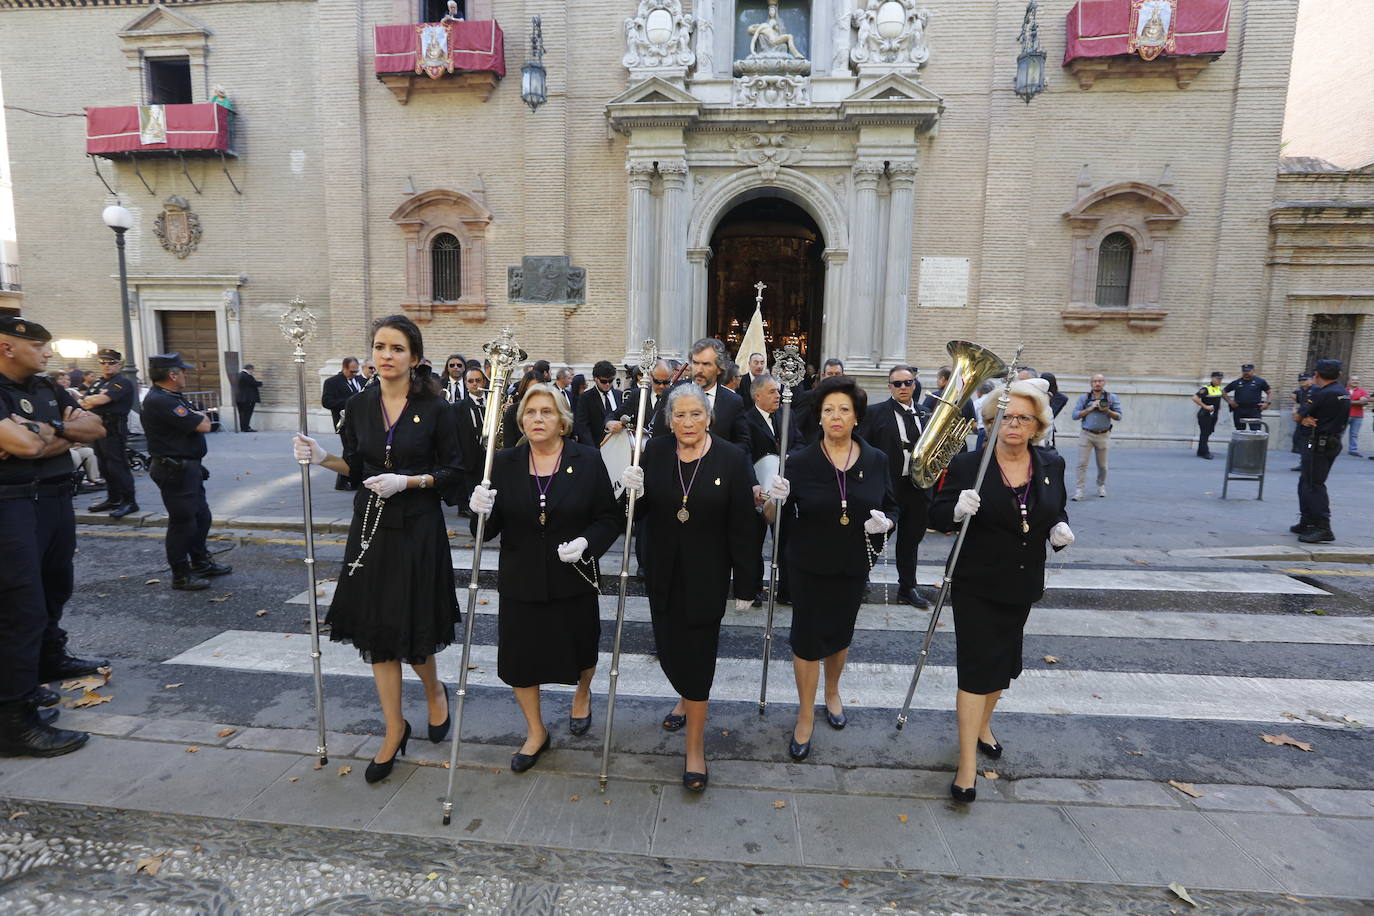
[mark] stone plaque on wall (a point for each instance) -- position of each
(549, 279)
(944, 283)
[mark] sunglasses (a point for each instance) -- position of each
(603, 381)
(903, 383)
(661, 381)
(109, 362)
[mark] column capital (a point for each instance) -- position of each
(866, 174)
(673, 172)
(901, 174)
(699, 255)
(640, 174)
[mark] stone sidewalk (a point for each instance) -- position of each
(1111, 832)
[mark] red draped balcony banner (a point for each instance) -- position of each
(476, 45)
(1108, 28)
(203, 126)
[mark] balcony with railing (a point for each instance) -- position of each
(440, 57)
(200, 128)
(1144, 38)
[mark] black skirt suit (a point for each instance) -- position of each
(1001, 571)
(691, 563)
(827, 561)
(400, 604)
(548, 621)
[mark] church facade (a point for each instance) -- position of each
(867, 161)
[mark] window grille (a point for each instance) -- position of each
(1114, 260)
(1332, 337)
(446, 267)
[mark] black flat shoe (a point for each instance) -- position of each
(439, 732)
(579, 725)
(376, 772)
(993, 750)
(694, 782)
(673, 722)
(796, 750)
(964, 795)
(519, 763)
(836, 722)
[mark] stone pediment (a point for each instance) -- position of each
(653, 89)
(653, 100)
(895, 96)
(161, 22)
(895, 87)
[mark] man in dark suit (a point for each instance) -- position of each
(563, 382)
(599, 407)
(764, 420)
(335, 394)
(660, 380)
(727, 408)
(893, 426)
(247, 397)
(469, 410)
(758, 367)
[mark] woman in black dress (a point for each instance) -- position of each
(1001, 569)
(698, 503)
(395, 600)
(838, 497)
(556, 515)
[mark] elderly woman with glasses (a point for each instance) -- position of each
(1001, 570)
(696, 493)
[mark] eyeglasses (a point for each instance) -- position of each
(454, 365)
(1017, 419)
(902, 383)
(603, 381)
(109, 362)
(661, 381)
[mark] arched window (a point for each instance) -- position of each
(1114, 260)
(446, 268)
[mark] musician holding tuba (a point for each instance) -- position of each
(1002, 574)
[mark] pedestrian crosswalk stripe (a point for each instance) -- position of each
(872, 685)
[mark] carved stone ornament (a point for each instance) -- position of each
(768, 152)
(658, 41)
(176, 227)
(765, 91)
(547, 280)
(905, 49)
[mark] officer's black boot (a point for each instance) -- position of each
(60, 666)
(42, 697)
(128, 507)
(205, 567)
(183, 579)
(23, 735)
(1317, 535)
(105, 505)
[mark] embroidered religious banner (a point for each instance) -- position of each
(432, 54)
(1152, 28)
(1148, 28)
(152, 124)
(451, 47)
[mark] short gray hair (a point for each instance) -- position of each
(711, 343)
(760, 382)
(1035, 390)
(686, 390)
(560, 403)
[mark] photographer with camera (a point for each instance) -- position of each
(1097, 409)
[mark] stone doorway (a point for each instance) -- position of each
(776, 241)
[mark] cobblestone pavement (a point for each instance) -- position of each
(58, 860)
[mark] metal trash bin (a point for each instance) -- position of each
(1246, 455)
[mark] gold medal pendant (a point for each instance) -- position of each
(683, 515)
(1025, 528)
(541, 518)
(844, 518)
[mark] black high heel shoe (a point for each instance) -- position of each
(439, 732)
(694, 782)
(579, 725)
(836, 721)
(674, 722)
(376, 772)
(964, 795)
(519, 763)
(796, 749)
(993, 750)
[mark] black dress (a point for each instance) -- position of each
(828, 562)
(690, 563)
(400, 603)
(548, 621)
(1001, 570)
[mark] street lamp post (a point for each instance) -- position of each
(121, 221)
(1030, 63)
(534, 79)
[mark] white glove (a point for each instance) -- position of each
(1061, 535)
(632, 479)
(571, 551)
(743, 604)
(385, 485)
(968, 504)
(877, 523)
(482, 500)
(779, 488)
(307, 449)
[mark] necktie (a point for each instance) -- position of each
(909, 423)
(777, 427)
(607, 397)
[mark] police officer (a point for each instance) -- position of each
(1208, 401)
(176, 441)
(1247, 395)
(38, 424)
(111, 398)
(1326, 411)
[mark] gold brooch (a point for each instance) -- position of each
(717, 481)
(415, 419)
(570, 469)
(1047, 481)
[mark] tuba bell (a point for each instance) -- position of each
(947, 429)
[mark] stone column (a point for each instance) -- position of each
(639, 254)
(834, 336)
(674, 310)
(863, 241)
(901, 178)
(699, 274)
(705, 38)
(841, 37)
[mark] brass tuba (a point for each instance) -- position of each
(944, 435)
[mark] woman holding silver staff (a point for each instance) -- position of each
(1002, 573)
(395, 598)
(696, 491)
(556, 515)
(838, 499)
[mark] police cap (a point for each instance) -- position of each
(1248, 367)
(109, 353)
(1303, 376)
(24, 329)
(168, 361)
(1328, 368)
(1218, 375)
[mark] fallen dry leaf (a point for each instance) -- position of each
(1182, 893)
(173, 686)
(90, 682)
(89, 698)
(345, 770)
(432, 875)
(699, 880)
(472, 667)
(903, 818)
(1281, 740)
(294, 779)
(725, 732)
(263, 613)
(226, 732)
(1186, 788)
(1051, 660)
(1294, 899)
(1291, 715)
(224, 597)
(1136, 753)
(576, 798)
(779, 804)
(16, 814)
(152, 582)
(991, 774)
(193, 750)
(844, 882)
(149, 865)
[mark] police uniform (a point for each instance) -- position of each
(176, 449)
(1302, 435)
(1210, 395)
(1248, 393)
(110, 452)
(1329, 405)
(37, 541)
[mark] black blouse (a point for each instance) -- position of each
(425, 442)
(818, 542)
